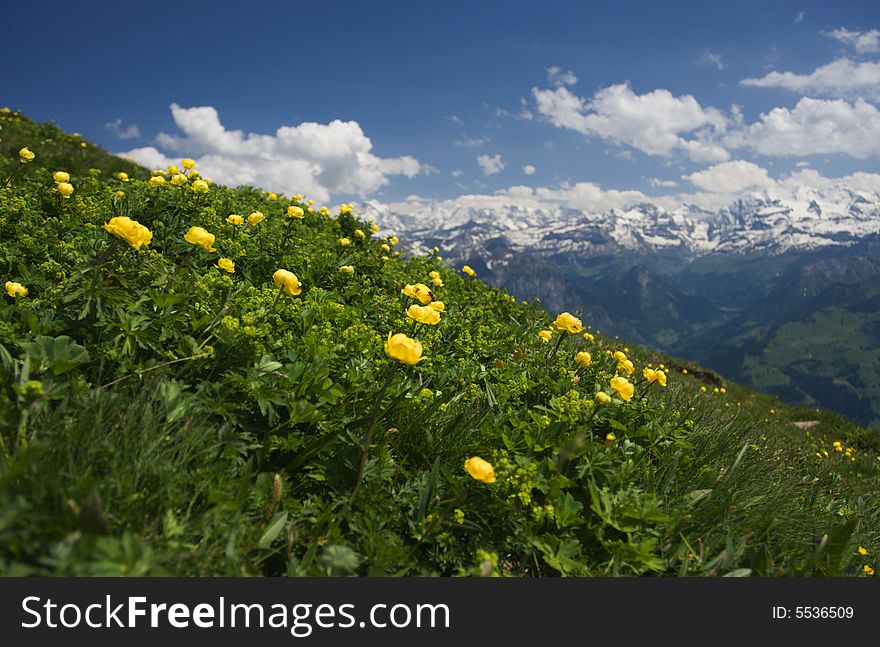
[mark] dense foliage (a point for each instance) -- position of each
(172, 404)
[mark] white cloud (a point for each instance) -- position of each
(311, 158)
(657, 183)
(800, 17)
(123, 132)
(712, 58)
(557, 77)
(842, 77)
(864, 42)
(471, 142)
(457, 172)
(490, 164)
(653, 122)
(814, 126)
(529, 169)
(730, 177)
(455, 119)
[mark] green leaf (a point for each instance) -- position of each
(273, 530)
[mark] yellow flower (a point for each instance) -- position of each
(439, 306)
(545, 335)
(702, 389)
(61, 176)
(385, 248)
(393, 240)
(348, 270)
(589, 336)
(187, 162)
(234, 219)
(178, 179)
(626, 367)
(15, 289)
(344, 242)
(256, 218)
(324, 211)
(403, 349)
(863, 551)
(200, 186)
(418, 291)
(684, 371)
(273, 196)
(295, 212)
(423, 314)
(603, 398)
(122, 177)
(868, 570)
(226, 264)
(157, 180)
(201, 237)
(65, 189)
(359, 233)
(610, 438)
(480, 470)
(619, 356)
(467, 269)
(374, 228)
(131, 231)
(654, 376)
(25, 155)
(194, 175)
(437, 281)
(568, 322)
(723, 390)
(624, 388)
(172, 170)
(583, 358)
(298, 197)
(434, 274)
(345, 208)
(120, 194)
(288, 282)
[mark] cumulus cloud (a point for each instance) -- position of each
(730, 177)
(864, 42)
(557, 77)
(529, 169)
(312, 158)
(457, 172)
(814, 126)
(840, 78)
(654, 123)
(490, 164)
(121, 131)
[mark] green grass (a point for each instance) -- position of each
(161, 416)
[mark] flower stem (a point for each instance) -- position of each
(368, 436)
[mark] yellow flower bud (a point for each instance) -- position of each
(131, 231)
(122, 177)
(61, 176)
(295, 212)
(347, 270)
(226, 264)
(256, 218)
(439, 306)
(200, 186)
(288, 282)
(344, 242)
(403, 349)
(65, 189)
(187, 162)
(467, 269)
(480, 470)
(546, 335)
(568, 322)
(603, 398)
(234, 219)
(157, 180)
(25, 155)
(178, 179)
(201, 237)
(583, 358)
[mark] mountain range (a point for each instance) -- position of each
(779, 289)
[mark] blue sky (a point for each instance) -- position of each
(440, 99)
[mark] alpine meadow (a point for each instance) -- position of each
(207, 380)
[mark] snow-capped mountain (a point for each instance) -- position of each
(772, 221)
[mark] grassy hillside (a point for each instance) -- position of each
(166, 412)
